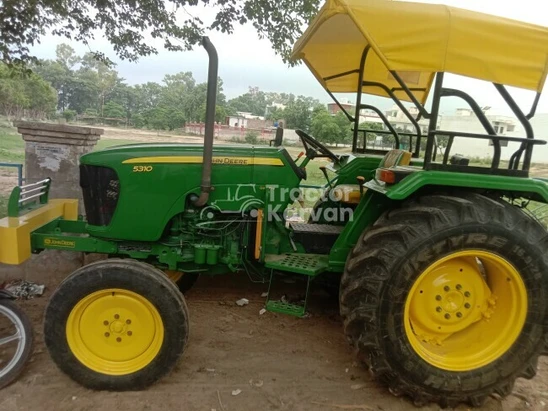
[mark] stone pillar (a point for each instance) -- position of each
(54, 150)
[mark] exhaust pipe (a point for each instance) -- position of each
(209, 122)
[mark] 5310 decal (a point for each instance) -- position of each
(142, 169)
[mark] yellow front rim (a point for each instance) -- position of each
(115, 331)
(465, 310)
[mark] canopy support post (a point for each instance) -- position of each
(359, 98)
(449, 92)
(403, 109)
(533, 107)
(523, 120)
(421, 108)
(433, 120)
(348, 116)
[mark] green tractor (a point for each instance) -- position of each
(443, 274)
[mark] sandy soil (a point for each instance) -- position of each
(278, 362)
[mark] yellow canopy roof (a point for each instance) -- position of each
(417, 40)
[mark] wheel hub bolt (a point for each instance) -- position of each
(129, 333)
(467, 305)
(107, 334)
(438, 309)
(128, 321)
(459, 314)
(105, 322)
(459, 287)
(116, 316)
(447, 316)
(438, 297)
(118, 339)
(466, 294)
(446, 288)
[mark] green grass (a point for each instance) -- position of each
(12, 146)
(106, 143)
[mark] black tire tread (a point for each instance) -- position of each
(14, 373)
(148, 280)
(396, 233)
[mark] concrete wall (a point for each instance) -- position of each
(53, 150)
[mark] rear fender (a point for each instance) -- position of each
(531, 188)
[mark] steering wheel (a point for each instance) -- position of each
(309, 140)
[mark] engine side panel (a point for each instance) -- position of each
(155, 182)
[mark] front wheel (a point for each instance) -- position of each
(116, 325)
(445, 298)
(16, 340)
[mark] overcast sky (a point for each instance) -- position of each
(245, 60)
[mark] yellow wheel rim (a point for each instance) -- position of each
(174, 275)
(115, 331)
(465, 310)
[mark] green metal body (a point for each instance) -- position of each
(154, 219)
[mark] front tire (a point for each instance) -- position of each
(445, 298)
(16, 341)
(116, 325)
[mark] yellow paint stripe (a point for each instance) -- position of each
(259, 234)
(233, 161)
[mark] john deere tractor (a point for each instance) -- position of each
(443, 274)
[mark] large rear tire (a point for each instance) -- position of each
(445, 298)
(116, 325)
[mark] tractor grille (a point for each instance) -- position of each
(101, 189)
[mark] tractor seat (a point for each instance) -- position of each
(346, 193)
(350, 193)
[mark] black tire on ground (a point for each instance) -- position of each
(139, 278)
(187, 281)
(390, 256)
(26, 329)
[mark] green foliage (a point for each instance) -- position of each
(69, 115)
(89, 86)
(24, 94)
(251, 137)
(124, 23)
(298, 112)
(330, 129)
(113, 110)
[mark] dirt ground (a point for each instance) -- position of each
(277, 361)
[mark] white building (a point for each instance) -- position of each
(465, 120)
(241, 119)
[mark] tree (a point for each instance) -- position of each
(24, 94)
(298, 112)
(126, 23)
(69, 115)
(113, 110)
(251, 102)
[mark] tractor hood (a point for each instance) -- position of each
(148, 184)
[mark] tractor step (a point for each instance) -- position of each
(285, 308)
(309, 265)
(326, 229)
(306, 264)
(316, 238)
